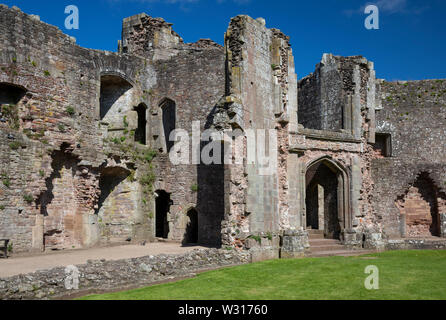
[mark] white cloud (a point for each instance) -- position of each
(391, 6)
(384, 6)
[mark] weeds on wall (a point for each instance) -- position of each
(143, 157)
(15, 145)
(10, 113)
(70, 111)
(28, 198)
(5, 179)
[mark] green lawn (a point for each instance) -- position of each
(403, 275)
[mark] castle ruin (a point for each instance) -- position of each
(84, 143)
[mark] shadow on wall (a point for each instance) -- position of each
(112, 89)
(57, 203)
(191, 234)
(110, 178)
(210, 198)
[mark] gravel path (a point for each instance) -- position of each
(23, 265)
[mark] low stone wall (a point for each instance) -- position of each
(415, 244)
(110, 275)
(443, 225)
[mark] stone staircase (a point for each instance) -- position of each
(321, 247)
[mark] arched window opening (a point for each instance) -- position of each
(10, 96)
(114, 90)
(140, 133)
(168, 108)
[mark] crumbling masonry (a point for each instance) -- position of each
(84, 143)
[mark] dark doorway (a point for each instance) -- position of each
(168, 108)
(322, 200)
(163, 204)
(192, 227)
(140, 133)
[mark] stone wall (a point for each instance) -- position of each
(101, 275)
(261, 97)
(346, 149)
(413, 114)
(85, 153)
(321, 99)
(195, 81)
(64, 139)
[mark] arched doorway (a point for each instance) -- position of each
(191, 236)
(163, 203)
(327, 198)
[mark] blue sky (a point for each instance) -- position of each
(410, 44)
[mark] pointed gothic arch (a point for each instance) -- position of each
(327, 197)
(169, 118)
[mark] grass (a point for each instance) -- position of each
(28, 198)
(411, 275)
(15, 145)
(70, 110)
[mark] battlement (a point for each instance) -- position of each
(146, 36)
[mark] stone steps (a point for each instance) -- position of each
(321, 247)
(340, 253)
(315, 234)
(333, 247)
(323, 242)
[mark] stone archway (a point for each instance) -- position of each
(327, 198)
(419, 208)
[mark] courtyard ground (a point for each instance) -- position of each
(27, 264)
(413, 275)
